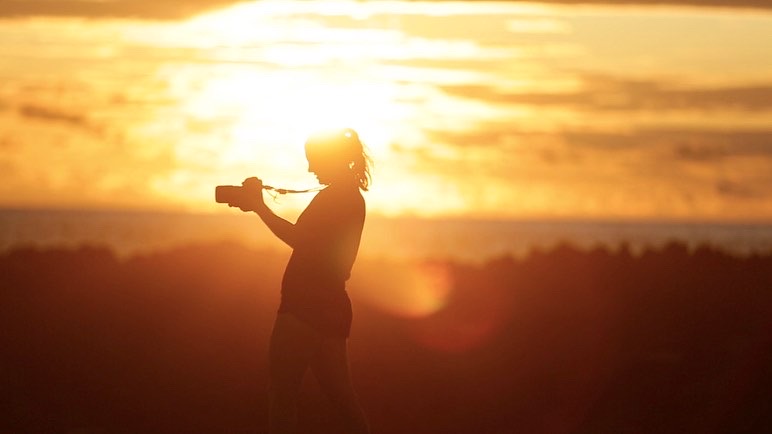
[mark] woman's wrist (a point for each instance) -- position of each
(260, 207)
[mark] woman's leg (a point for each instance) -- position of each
(331, 369)
(291, 347)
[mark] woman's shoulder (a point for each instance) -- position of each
(342, 197)
(343, 192)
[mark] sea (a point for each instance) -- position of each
(130, 233)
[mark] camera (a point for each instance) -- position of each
(230, 194)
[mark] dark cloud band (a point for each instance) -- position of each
(707, 145)
(765, 4)
(150, 9)
(606, 93)
(177, 9)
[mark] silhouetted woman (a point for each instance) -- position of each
(314, 318)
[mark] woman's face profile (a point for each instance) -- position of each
(326, 167)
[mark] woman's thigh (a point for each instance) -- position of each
(330, 366)
(292, 345)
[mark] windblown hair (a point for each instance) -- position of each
(344, 144)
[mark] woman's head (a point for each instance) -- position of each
(338, 156)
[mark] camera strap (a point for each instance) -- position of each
(287, 190)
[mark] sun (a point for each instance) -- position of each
(272, 77)
(280, 109)
(283, 75)
(262, 118)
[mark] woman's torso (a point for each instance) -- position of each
(327, 240)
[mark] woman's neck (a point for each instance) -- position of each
(343, 181)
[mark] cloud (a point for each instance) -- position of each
(682, 144)
(708, 3)
(606, 93)
(738, 190)
(152, 9)
(686, 144)
(656, 171)
(501, 150)
(763, 4)
(178, 9)
(49, 114)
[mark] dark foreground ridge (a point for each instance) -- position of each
(563, 341)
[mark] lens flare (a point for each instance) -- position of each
(411, 291)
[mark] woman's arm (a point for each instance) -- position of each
(280, 227)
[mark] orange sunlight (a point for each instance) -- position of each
(262, 116)
(470, 109)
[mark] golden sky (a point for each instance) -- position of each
(504, 110)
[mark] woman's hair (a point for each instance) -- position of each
(345, 145)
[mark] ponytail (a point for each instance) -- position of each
(360, 161)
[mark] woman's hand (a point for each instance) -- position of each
(253, 194)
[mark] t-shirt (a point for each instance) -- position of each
(327, 236)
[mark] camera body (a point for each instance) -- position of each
(230, 194)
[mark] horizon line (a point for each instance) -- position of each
(610, 219)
